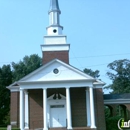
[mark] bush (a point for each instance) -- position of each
(111, 123)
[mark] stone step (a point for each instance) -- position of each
(74, 128)
(64, 128)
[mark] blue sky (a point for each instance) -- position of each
(97, 30)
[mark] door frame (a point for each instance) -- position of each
(51, 102)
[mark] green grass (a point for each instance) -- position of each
(5, 128)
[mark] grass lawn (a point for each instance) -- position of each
(5, 128)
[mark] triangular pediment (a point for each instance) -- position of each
(56, 70)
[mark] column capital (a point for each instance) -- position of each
(26, 91)
(44, 88)
(67, 87)
(87, 89)
(91, 86)
(21, 89)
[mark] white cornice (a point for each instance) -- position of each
(14, 88)
(55, 47)
(55, 84)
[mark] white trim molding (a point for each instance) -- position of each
(55, 47)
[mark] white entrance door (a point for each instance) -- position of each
(58, 116)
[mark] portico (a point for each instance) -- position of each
(64, 101)
(24, 110)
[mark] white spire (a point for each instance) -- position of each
(55, 40)
(54, 19)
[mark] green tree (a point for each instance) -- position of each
(120, 75)
(5, 80)
(22, 68)
(92, 73)
(7, 76)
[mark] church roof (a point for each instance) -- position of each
(58, 72)
(116, 96)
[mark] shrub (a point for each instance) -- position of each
(111, 123)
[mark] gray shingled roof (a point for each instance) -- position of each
(116, 96)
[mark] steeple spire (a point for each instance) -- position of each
(55, 43)
(54, 6)
(54, 19)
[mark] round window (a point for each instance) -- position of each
(55, 71)
(54, 30)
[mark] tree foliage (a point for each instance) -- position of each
(5, 80)
(92, 73)
(120, 76)
(22, 68)
(7, 76)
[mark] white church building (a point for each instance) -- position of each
(57, 96)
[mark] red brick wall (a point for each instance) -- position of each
(14, 108)
(36, 108)
(50, 55)
(128, 110)
(78, 107)
(99, 109)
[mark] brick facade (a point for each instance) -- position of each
(115, 110)
(99, 109)
(50, 55)
(78, 107)
(36, 108)
(14, 108)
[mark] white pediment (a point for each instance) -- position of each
(65, 72)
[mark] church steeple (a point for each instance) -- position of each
(54, 6)
(54, 19)
(55, 43)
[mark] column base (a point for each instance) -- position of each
(93, 127)
(69, 128)
(26, 128)
(45, 128)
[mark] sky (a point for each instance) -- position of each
(98, 31)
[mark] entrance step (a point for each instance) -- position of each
(74, 128)
(82, 128)
(62, 128)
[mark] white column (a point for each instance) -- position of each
(68, 105)
(45, 108)
(26, 110)
(88, 107)
(92, 108)
(21, 109)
